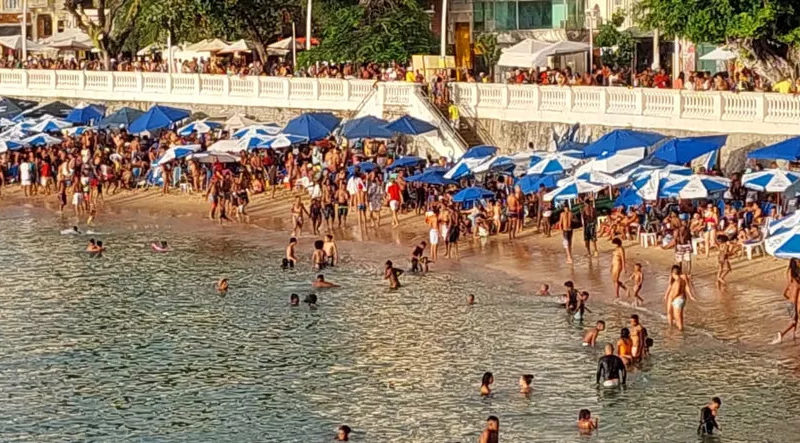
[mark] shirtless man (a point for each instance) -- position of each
(677, 291)
(318, 258)
(360, 198)
(291, 258)
(391, 273)
(637, 338)
(298, 211)
(331, 250)
(433, 224)
(591, 337)
(617, 266)
(565, 221)
(514, 209)
(343, 202)
(589, 220)
(320, 282)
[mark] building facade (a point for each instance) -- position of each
(45, 17)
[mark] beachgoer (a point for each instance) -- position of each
(581, 309)
(291, 257)
(625, 346)
(637, 277)
(331, 250)
(611, 369)
(343, 204)
(91, 247)
(416, 256)
(708, 417)
(723, 259)
(311, 299)
(160, 246)
(791, 294)
(565, 222)
(637, 337)
(343, 433)
(486, 383)
(589, 220)
(391, 273)
(585, 422)
(617, 266)
(320, 282)
(491, 434)
(572, 298)
(318, 258)
(525, 382)
(395, 200)
(222, 286)
(591, 337)
(298, 211)
(544, 290)
(294, 300)
(676, 295)
(683, 248)
(432, 221)
(470, 299)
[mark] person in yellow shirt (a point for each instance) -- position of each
(783, 87)
(410, 76)
(454, 115)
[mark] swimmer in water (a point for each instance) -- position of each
(321, 283)
(525, 382)
(637, 337)
(318, 260)
(582, 298)
(486, 383)
(416, 256)
(625, 346)
(160, 246)
(572, 298)
(544, 291)
(72, 230)
(591, 337)
(424, 264)
(331, 250)
(311, 299)
(222, 286)
(611, 368)
(343, 433)
(92, 246)
(291, 257)
(678, 290)
(294, 300)
(391, 273)
(708, 417)
(492, 432)
(585, 422)
(470, 300)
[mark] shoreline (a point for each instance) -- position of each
(758, 282)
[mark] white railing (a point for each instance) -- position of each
(746, 112)
(709, 111)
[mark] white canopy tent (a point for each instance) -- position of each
(531, 53)
(209, 45)
(237, 47)
(719, 54)
(238, 121)
(15, 42)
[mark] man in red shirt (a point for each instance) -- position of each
(661, 80)
(395, 198)
(46, 176)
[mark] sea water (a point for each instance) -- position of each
(139, 346)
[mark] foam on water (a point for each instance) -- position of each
(138, 346)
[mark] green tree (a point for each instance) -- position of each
(618, 46)
(486, 44)
(182, 18)
(765, 34)
(371, 31)
(113, 24)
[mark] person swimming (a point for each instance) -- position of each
(392, 274)
(625, 346)
(486, 383)
(470, 299)
(611, 368)
(311, 299)
(585, 422)
(491, 434)
(291, 258)
(92, 246)
(581, 309)
(591, 337)
(321, 283)
(708, 417)
(343, 433)
(525, 382)
(318, 259)
(294, 300)
(571, 303)
(160, 246)
(71, 231)
(222, 286)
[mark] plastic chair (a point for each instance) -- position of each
(696, 242)
(646, 238)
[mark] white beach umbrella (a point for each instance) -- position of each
(571, 190)
(771, 180)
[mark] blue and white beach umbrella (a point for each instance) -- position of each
(554, 163)
(177, 152)
(784, 224)
(282, 141)
(250, 142)
(696, 186)
(785, 244)
(643, 170)
(9, 145)
(41, 140)
(200, 127)
(76, 130)
(611, 162)
(472, 194)
(50, 125)
(571, 190)
(4, 122)
(495, 164)
(771, 180)
(261, 129)
(14, 133)
(649, 186)
(464, 167)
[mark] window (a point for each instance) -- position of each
(11, 4)
(491, 16)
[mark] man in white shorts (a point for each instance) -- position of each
(26, 176)
(433, 223)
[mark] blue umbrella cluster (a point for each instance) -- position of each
(157, 117)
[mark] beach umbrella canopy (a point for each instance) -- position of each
(366, 127)
(771, 180)
(312, 125)
(238, 121)
(177, 152)
(649, 186)
(571, 190)
(785, 244)
(612, 162)
(213, 157)
(784, 224)
(471, 194)
(679, 151)
(10, 107)
(76, 130)
(480, 151)
(251, 142)
(86, 114)
(282, 141)
(628, 197)
(463, 168)
(157, 117)
(365, 167)
(529, 184)
(788, 149)
(4, 122)
(554, 163)
(9, 145)
(596, 177)
(226, 146)
(121, 118)
(14, 133)
(621, 139)
(41, 140)
(408, 161)
(644, 170)
(431, 177)
(259, 129)
(50, 125)
(410, 125)
(200, 127)
(719, 54)
(55, 109)
(495, 164)
(696, 186)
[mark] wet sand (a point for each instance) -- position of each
(748, 312)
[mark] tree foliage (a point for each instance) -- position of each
(618, 46)
(371, 30)
(765, 33)
(182, 18)
(486, 44)
(115, 21)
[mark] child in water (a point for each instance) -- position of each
(591, 337)
(391, 273)
(585, 422)
(637, 277)
(222, 286)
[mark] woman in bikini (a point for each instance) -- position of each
(675, 296)
(790, 293)
(624, 346)
(298, 210)
(617, 266)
